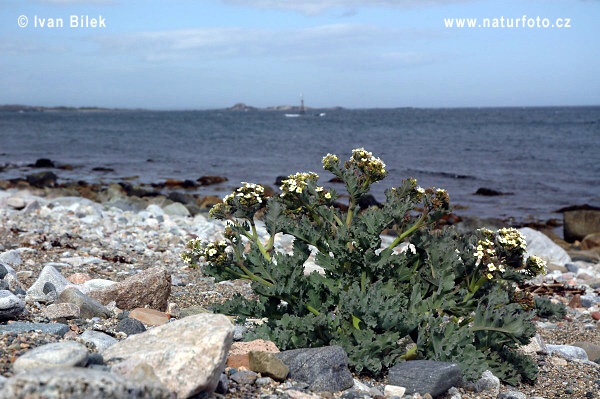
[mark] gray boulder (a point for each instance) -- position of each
(567, 352)
(425, 376)
(10, 305)
(100, 340)
(187, 356)
(323, 369)
(57, 354)
(88, 307)
(46, 328)
(541, 245)
(12, 258)
(488, 383)
(79, 383)
(49, 280)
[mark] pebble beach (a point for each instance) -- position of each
(81, 280)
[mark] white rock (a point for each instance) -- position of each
(541, 245)
(488, 383)
(177, 209)
(188, 355)
(394, 391)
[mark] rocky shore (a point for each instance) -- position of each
(95, 302)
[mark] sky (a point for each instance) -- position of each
(202, 54)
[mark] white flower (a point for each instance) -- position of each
(420, 190)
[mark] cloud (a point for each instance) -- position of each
(353, 45)
(312, 7)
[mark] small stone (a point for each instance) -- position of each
(149, 317)
(242, 348)
(557, 361)
(596, 315)
(394, 391)
(425, 376)
(46, 328)
(150, 287)
(575, 302)
(16, 203)
(592, 350)
(238, 361)
(62, 311)
(223, 385)
(192, 310)
(239, 332)
(488, 383)
(587, 301)
(58, 354)
(88, 307)
(267, 364)
(512, 395)
(244, 377)
(79, 278)
(572, 267)
(10, 305)
(263, 381)
(100, 340)
(130, 326)
(295, 394)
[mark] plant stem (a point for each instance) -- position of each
(408, 232)
(350, 213)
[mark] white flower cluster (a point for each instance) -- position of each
(329, 160)
(511, 238)
(298, 182)
(248, 194)
(371, 166)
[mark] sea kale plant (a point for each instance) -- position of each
(430, 293)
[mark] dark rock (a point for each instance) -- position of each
(48, 288)
(572, 267)
(181, 198)
(210, 180)
(425, 376)
(47, 328)
(223, 385)
(279, 180)
(367, 201)
(42, 179)
(3, 271)
(95, 358)
(89, 307)
(131, 326)
(577, 224)
(324, 369)
(102, 169)
(336, 180)
(43, 163)
(488, 192)
(245, 377)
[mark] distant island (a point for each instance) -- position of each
(30, 108)
(241, 107)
